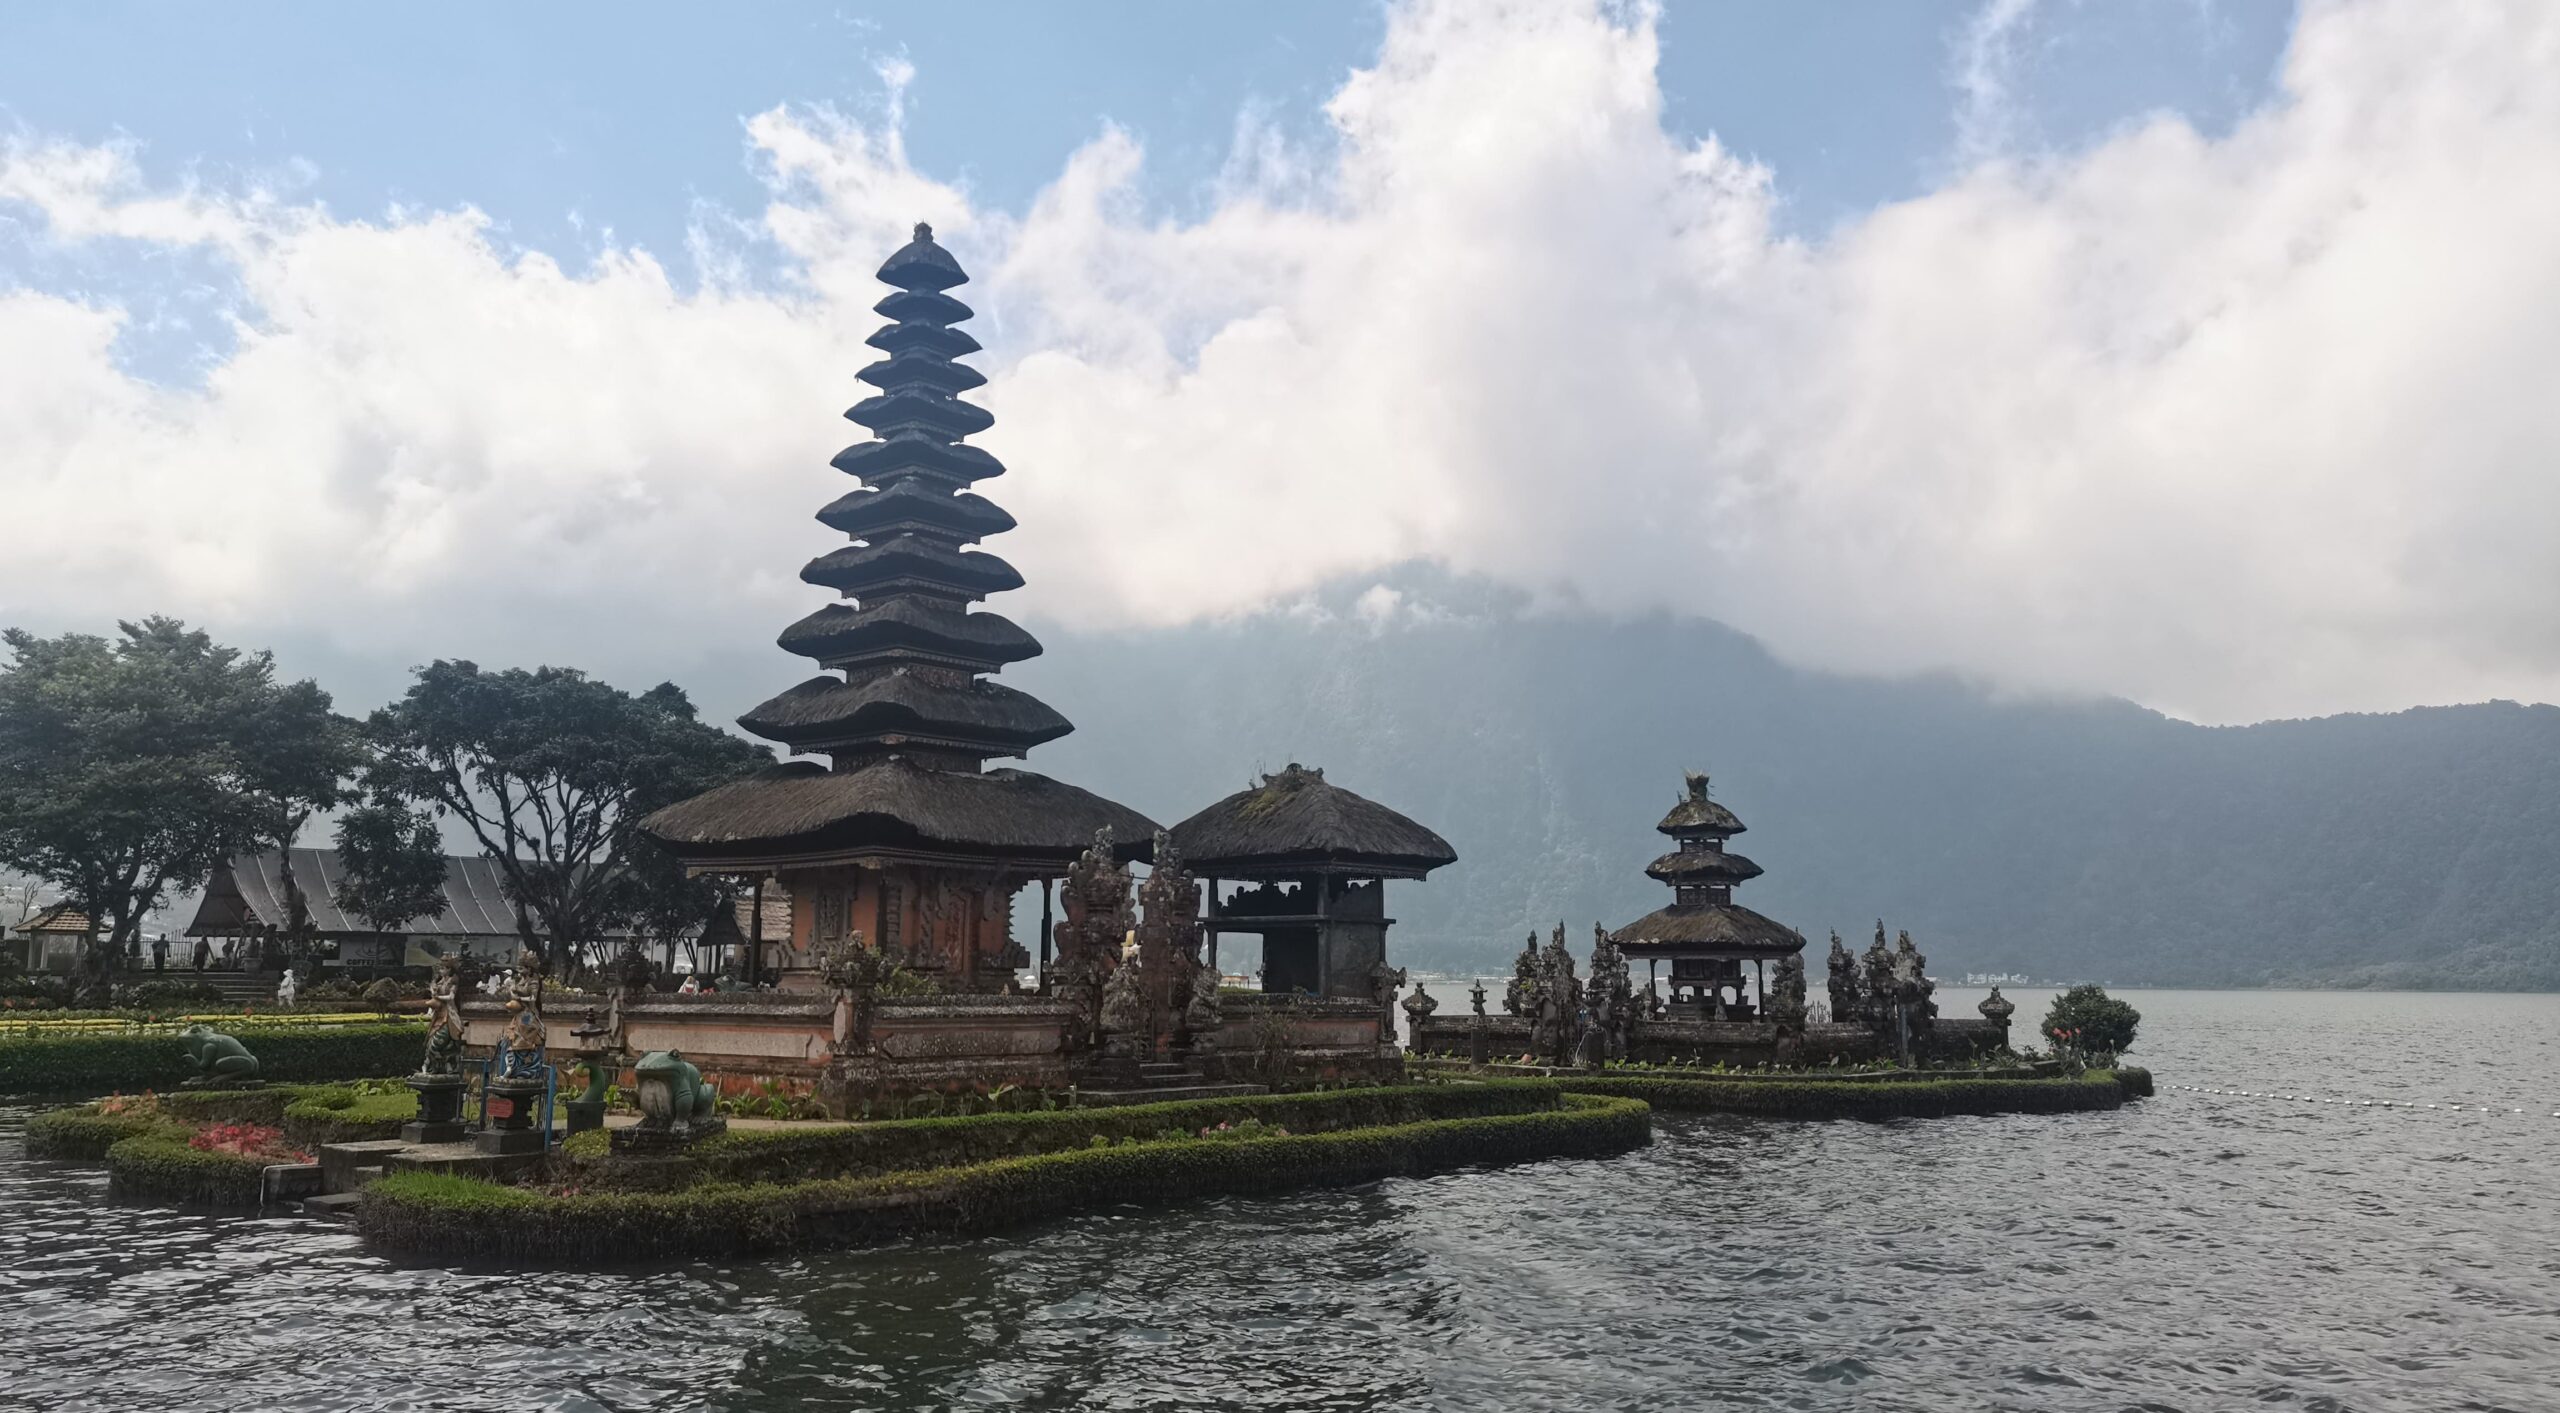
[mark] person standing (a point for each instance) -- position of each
(204, 954)
(160, 954)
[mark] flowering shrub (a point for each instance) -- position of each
(1250, 1128)
(247, 1141)
(129, 1105)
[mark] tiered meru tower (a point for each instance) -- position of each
(1704, 934)
(906, 835)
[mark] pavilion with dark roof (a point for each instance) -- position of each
(1319, 857)
(1704, 934)
(903, 833)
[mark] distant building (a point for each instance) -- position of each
(245, 902)
(53, 939)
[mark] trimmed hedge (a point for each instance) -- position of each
(309, 1114)
(459, 1217)
(805, 1152)
(96, 1064)
(1834, 1099)
(83, 1134)
(2134, 1080)
(159, 1167)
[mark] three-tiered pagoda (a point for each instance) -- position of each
(904, 834)
(1704, 934)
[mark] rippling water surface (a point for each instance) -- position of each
(2192, 1252)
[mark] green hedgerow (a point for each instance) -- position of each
(83, 1134)
(92, 1064)
(459, 1217)
(160, 1167)
(850, 1150)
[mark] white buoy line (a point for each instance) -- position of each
(2283, 1097)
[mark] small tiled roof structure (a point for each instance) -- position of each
(60, 920)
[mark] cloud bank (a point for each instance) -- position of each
(2258, 424)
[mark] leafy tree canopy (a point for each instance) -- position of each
(2087, 1018)
(132, 766)
(549, 771)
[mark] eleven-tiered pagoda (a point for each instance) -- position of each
(904, 834)
(1704, 934)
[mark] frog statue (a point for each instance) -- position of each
(218, 1058)
(672, 1094)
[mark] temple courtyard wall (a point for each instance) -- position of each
(1736, 1044)
(814, 1043)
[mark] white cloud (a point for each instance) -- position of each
(2252, 425)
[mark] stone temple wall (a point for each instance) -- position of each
(813, 1042)
(1736, 1043)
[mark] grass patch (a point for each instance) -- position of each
(456, 1217)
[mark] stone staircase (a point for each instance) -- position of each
(1164, 1081)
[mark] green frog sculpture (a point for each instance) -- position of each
(218, 1058)
(673, 1097)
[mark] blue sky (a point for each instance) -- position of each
(2193, 351)
(573, 123)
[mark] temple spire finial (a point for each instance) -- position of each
(924, 230)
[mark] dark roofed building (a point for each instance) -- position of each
(1704, 934)
(904, 834)
(245, 899)
(1319, 857)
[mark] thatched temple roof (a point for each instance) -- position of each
(894, 804)
(1702, 866)
(1297, 817)
(1696, 814)
(907, 704)
(1726, 929)
(1705, 921)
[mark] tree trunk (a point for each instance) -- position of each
(297, 908)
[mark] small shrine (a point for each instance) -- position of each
(903, 836)
(1317, 858)
(1705, 936)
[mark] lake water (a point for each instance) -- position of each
(2193, 1252)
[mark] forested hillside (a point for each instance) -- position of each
(2077, 839)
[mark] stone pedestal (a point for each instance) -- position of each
(439, 1109)
(584, 1114)
(646, 1137)
(514, 1106)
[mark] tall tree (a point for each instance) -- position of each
(550, 771)
(297, 758)
(131, 767)
(394, 862)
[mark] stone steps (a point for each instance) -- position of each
(1166, 1094)
(338, 1205)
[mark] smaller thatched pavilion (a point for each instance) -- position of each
(1318, 857)
(1704, 934)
